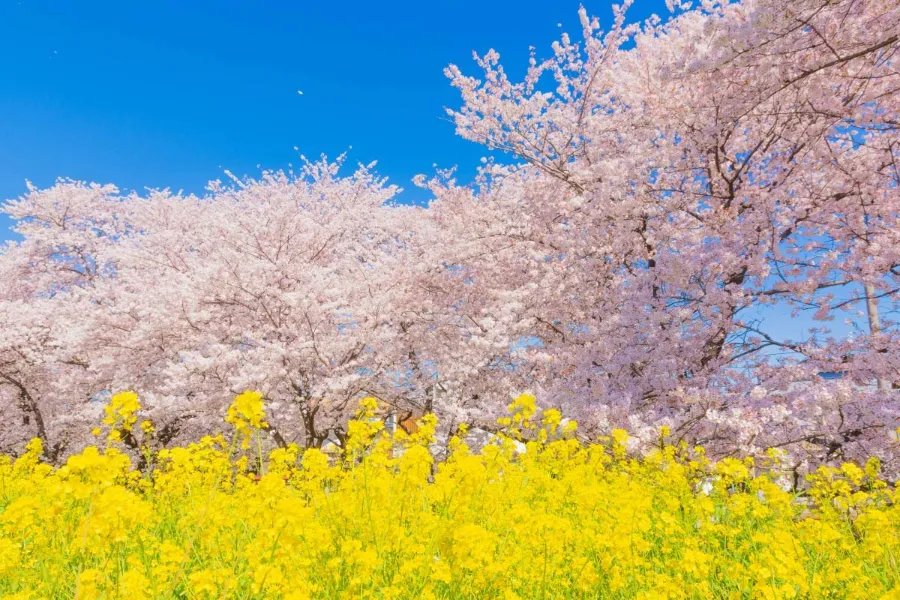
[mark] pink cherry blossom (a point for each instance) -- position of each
(659, 191)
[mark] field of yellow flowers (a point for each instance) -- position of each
(564, 519)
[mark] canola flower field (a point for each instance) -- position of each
(383, 519)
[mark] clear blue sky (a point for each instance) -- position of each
(170, 93)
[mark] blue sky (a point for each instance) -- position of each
(171, 93)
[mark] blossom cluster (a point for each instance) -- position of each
(535, 513)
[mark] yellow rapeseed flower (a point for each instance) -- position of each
(390, 519)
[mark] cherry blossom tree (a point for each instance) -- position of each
(676, 177)
(284, 284)
(658, 189)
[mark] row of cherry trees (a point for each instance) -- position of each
(674, 182)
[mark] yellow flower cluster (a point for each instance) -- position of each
(248, 415)
(120, 415)
(563, 519)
